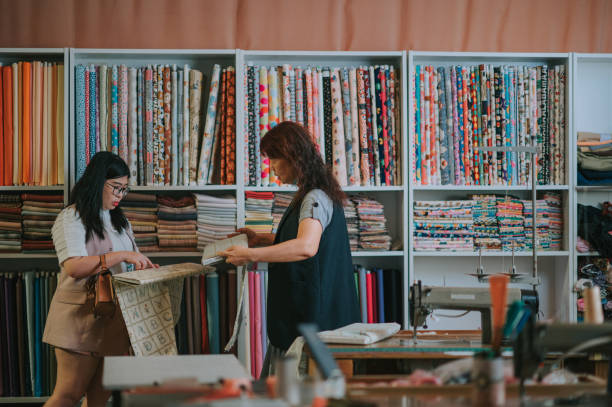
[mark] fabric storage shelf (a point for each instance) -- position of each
(194, 188)
(592, 104)
(432, 266)
(202, 60)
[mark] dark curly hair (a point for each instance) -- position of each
(87, 193)
(293, 142)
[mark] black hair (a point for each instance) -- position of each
(87, 193)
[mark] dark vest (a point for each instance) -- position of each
(320, 289)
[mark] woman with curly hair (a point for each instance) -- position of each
(310, 271)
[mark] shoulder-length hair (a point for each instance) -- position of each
(87, 193)
(293, 142)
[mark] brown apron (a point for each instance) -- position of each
(71, 324)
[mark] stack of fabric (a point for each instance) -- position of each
(555, 219)
(352, 224)
(373, 234)
(443, 225)
(486, 229)
(176, 224)
(141, 211)
(511, 223)
(594, 159)
(38, 213)
(281, 203)
(216, 217)
(10, 223)
(258, 211)
(542, 225)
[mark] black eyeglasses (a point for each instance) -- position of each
(119, 190)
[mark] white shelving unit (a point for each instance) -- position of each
(394, 198)
(452, 268)
(592, 110)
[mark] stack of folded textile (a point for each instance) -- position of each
(542, 225)
(352, 224)
(373, 234)
(38, 214)
(281, 203)
(10, 223)
(141, 211)
(486, 229)
(511, 223)
(176, 225)
(443, 225)
(594, 159)
(555, 218)
(258, 211)
(216, 217)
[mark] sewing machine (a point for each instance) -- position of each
(424, 299)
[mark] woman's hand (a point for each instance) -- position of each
(139, 260)
(251, 236)
(237, 255)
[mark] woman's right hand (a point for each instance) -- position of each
(139, 260)
(252, 237)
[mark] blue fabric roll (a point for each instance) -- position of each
(363, 296)
(212, 310)
(381, 295)
(92, 111)
(81, 159)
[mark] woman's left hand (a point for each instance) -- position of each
(237, 255)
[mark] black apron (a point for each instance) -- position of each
(318, 290)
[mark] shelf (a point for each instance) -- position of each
(163, 188)
(489, 254)
(374, 253)
(500, 188)
(587, 254)
(594, 188)
(21, 188)
(290, 188)
(27, 256)
(23, 400)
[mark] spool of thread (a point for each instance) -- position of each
(593, 313)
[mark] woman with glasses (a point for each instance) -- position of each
(90, 232)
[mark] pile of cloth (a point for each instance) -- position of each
(38, 215)
(10, 223)
(486, 229)
(555, 218)
(216, 217)
(594, 159)
(511, 223)
(542, 226)
(281, 203)
(141, 211)
(258, 211)
(177, 223)
(443, 225)
(373, 234)
(352, 223)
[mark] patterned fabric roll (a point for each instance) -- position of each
(287, 95)
(132, 127)
(161, 128)
(148, 78)
(292, 112)
(263, 122)
(348, 137)
(123, 113)
(140, 135)
(363, 129)
(339, 154)
(186, 125)
(103, 108)
(174, 125)
(356, 153)
(315, 111)
(256, 102)
(375, 140)
(230, 129)
(321, 114)
(167, 125)
(195, 86)
(179, 126)
(273, 114)
(327, 117)
(114, 110)
(370, 130)
(87, 120)
(81, 158)
(309, 102)
(444, 167)
(209, 127)
(250, 70)
(299, 96)
(93, 135)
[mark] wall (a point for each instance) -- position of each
(436, 25)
